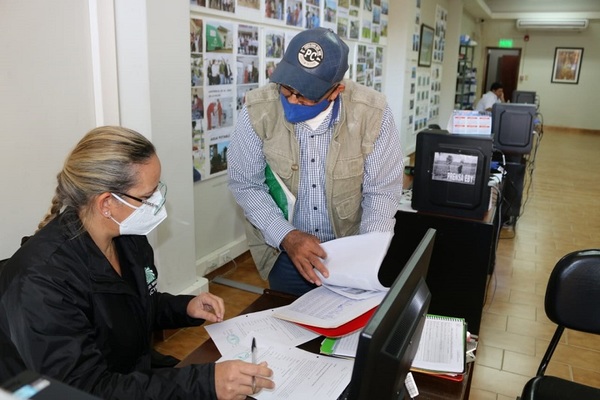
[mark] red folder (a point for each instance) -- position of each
(342, 330)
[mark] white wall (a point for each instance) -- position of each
(399, 59)
(564, 105)
(219, 224)
(397, 66)
(153, 60)
(472, 27)
(51, 95)
(454, 22)
(46, 104)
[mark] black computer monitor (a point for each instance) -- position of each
(452, 173)
(523, 97)
(388, 343)
(512, 127)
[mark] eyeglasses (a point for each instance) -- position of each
(162, 188)
(288, 92)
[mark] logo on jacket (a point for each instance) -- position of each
(150, 280)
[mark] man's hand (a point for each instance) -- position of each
(306, 253)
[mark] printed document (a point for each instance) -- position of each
(228, 334)
(344, 346)
(298, 374)
(324, 308)
(353, 263)
(442, 345)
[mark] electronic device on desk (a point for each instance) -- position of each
(452, 173)
(523, 97)
(388, 343)
(31, 385)
(512, 127)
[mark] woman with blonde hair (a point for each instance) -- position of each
(79, 299)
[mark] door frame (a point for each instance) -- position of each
(487, 80)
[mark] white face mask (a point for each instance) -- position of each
(143, 220)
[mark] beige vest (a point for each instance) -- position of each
(353, 139)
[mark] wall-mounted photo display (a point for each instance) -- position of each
(231, 56)
(439, 42)
(252, 4)
(567, 65)
(426, 46)
(330, 14)
(274, 9)
(294, 14)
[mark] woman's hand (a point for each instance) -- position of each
(238, 379)
(206, 306)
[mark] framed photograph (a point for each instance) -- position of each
(567, 64)
(426, 46)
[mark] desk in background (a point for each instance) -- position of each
(463, 256)
(430, 388)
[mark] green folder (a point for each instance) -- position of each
(282, 196)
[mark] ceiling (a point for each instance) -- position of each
(514, 9)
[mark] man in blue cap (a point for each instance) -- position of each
(335, 147)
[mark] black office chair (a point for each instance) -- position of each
(573, 302)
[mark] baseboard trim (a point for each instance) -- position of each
(212, 261)
(572, 130)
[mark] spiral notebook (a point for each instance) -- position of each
(442, 346)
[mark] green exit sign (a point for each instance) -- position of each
(506, 43)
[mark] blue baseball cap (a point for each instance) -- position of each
(313, 62)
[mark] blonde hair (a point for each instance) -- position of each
(102, 161)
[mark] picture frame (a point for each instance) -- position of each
(426, 46)
(567, 65)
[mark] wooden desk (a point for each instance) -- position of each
(430, 388)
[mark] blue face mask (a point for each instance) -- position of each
(295, 113)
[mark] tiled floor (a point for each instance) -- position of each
(561, 214)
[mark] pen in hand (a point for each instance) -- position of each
(253, 352)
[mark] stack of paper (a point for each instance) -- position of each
(344, 346)
(344, 304)
(352, 291)
(442, 346)
(298, 374)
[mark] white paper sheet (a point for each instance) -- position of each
(325, 309)
(442, 345)
(347, 345)
(298, 374)
(228, 334)
(354, 261)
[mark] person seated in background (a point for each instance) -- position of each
(495, 95)
(79, 299)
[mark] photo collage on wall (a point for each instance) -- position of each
(425, 81)
(441, 18)
(212, 96)
(439, 41)
(416, 36)
(422, 94)
(412, 80)
(228, 58)
(409, 127)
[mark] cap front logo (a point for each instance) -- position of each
(310, 55)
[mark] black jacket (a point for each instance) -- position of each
(65, 313)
